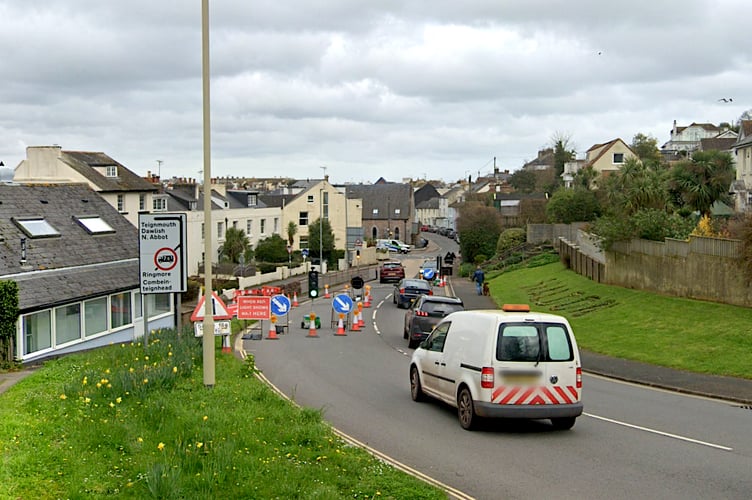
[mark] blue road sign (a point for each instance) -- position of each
(342, 303)
(280, 305)
(304, 252)
(428, 273)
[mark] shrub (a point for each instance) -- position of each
(509, 239)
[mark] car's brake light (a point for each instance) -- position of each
(430, 292)
(487, 377)
(421, 313)
(402, 291)
(579, 377)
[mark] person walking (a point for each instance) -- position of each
(478, 278)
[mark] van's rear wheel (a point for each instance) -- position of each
(416, 390)
(466, 409)
(563, 423)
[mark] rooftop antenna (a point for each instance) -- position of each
(159, 168)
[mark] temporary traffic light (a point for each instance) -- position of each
(313, 284)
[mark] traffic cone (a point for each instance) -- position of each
(340, 326)
(226, 344)
(361, 323)
(312, 328)
(441, 282)
(272, 329)
(367, 302)
(295, 299)
(326, 292)
(355, 326)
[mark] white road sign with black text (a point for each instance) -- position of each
(161, 242)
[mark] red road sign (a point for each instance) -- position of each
(254, 307)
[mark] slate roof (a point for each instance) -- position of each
(717, 143)
(384, 197)
(425, 193)
(75, 265)
(84, 162)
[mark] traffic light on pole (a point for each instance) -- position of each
(313, 284)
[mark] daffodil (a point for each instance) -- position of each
(119, 400)
(174, 369)
(63, 396)
(160, 446)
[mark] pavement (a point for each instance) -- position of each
(733, 389)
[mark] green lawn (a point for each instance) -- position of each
(137, 422)
(692, 335)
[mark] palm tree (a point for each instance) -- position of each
(235, 245)
(292, 230)
(702, 180)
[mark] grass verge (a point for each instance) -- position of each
(703, 337)
(136, 421)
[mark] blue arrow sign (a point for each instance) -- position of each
(428, 273)
(280, 305)
(342, 303)
(304, 252)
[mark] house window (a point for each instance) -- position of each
(36, 228)
(262, 227)
(303, 242)
(276, 225)
(37, 330)
(249, 227)
(121, 203)
(397, 211)
(374, 233)
(67, 323)
(303, 219)
(310, 198)
(220, 229)
(252, 200)
(618, 158)
(95, 316)
(142, 202)
(159, 303)
(95, 225)
(120, 309)
(159, 204)
(375, 211)
(110, 171)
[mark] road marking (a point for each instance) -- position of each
(660, 433)
(453, 492)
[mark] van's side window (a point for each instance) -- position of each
(435, 342)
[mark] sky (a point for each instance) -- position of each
(358, 89)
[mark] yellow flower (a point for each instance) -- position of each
(112, 405)
(63, 396)
(140, 440)
(85, 381)
(169, 354)
(146, 381)
(174, 369)
(99, 385)
(131, 370)
(87, 400)
(199, 445)
(160, 446)
(206, 418)
(146, 358)
(107, 371)
(119, 400)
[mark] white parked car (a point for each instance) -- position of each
(511, 363)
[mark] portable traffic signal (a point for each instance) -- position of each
(313, 284)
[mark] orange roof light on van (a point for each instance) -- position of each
(515, 308)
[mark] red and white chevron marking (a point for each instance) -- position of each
(535, 395)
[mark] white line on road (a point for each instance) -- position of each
(660, 433)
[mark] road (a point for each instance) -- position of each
(631, 442)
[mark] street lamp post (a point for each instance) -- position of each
(321, 230)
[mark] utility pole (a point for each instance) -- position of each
(159, 169)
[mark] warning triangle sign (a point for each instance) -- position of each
(219, 309)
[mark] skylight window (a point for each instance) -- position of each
(111, 171)
(94, 225)
(36, 228)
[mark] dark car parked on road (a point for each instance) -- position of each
(425, 313)
(409, 289)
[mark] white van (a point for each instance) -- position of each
(393, 246)
(511, 363)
